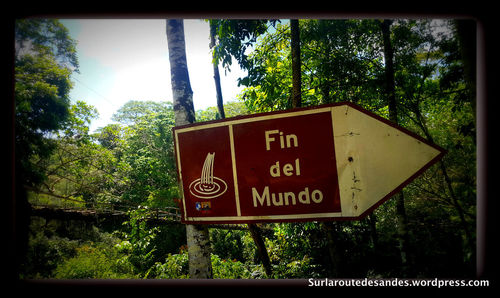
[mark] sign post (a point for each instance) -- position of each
(335, 161)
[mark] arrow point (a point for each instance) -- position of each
(375, 158)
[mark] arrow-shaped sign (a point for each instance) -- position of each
(335, 161)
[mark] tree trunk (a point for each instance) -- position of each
(389, 70)
(199, 251)
(218, 89)
(372, 221)
(181, 87)
(402, 220)
(261, 247)
(254, 230)
(198, 238)
(220, 105)
(333, 249)
(296, 75)
(328, 227)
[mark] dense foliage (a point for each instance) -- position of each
(129, 166)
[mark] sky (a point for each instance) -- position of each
(122, 60)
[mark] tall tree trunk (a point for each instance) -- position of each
(328, 227)
(296, 75)
(372, 221)
(402, 220)
(198, 238)
(218, 89)
(389, 70)
(220, 104)
(254, 230)
(334, 250)
(261, 247)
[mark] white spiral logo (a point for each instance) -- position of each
(208, 186)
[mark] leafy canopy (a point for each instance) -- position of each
(44, 59)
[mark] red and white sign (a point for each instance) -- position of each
(336, 161)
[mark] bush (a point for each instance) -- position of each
(45, 254)
(94, 262)
(295, 269)
(229, 268)
(228, 244)
(175, 267)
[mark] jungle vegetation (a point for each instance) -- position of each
(129, 165)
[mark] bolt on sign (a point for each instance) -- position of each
(336, 161)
